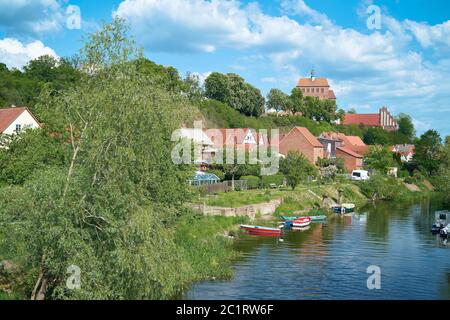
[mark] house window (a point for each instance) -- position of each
(322, 90)
(18, 127)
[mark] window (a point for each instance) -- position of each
(18, 127)
(322, 90)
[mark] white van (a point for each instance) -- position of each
(360, 175)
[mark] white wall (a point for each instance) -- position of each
(26, 120)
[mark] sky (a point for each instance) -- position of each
(393, 53)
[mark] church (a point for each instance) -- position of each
(316, 87)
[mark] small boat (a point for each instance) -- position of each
(301, 222)
(262, 231)
(313, 218)
(344, 208)
(445, 232)
(436, 228)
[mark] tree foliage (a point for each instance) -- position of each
(428, 152)
(233, 90)
(296, 168)
(379, 158)
(107, 208)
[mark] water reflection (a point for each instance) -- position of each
(329, 261)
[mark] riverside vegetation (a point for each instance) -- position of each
(96, 187)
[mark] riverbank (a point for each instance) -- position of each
(317, 196)
(205, 244)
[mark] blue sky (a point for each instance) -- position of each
(404, 64)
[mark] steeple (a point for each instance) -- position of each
(313, 76)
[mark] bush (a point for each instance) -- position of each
(253, 182)
(277, 179)
(219, 173)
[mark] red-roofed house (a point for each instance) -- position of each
(383, 119)
(352, 160)
(350, 148)
(301, 139)
(15, 119)
(241, 137)
(406, 151)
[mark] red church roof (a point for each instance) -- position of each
(369, 119)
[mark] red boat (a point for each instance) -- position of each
(262, 231)
(301, 222)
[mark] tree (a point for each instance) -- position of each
(379, 158)
(428, 152)
(278, 100)
(374, 136)
(192, 87)
(442, 180)
(297, 101)
(107, 208)
(406, 131)
(216, 87)
(234, 91)
(296, 168)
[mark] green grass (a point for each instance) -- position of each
(242, 198)
(205, 247)
(294, 201)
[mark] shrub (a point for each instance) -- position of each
(219, 173)
(253, 182)
(278, 179)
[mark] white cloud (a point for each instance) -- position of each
(375, 68)
(429, 36)
(16, 54)
(36, 17)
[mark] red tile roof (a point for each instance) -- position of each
(317, 82)
(331, 95)
(8, 115)
(309, 137)
(370, 119)
(350, 152)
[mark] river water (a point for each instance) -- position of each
(330, 260)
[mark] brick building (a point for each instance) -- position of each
(301, 139)
(316, 87)
(383, 119)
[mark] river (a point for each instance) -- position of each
(330, 260)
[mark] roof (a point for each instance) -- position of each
(355, 141)
(196, 135)
(8, 115)
(370, 119)
(309, 137)
(331, 94)
(202, 176)
(350, 152)
(315, 82)
(234, 136)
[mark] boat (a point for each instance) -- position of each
(262, 231)
(313, 218)
(301, 222)
(442, 219)
(343, 208)
(436, 228)
(445, 232)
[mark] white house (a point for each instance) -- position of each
(16, 119)
(199, 137)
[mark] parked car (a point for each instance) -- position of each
(360, 175)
